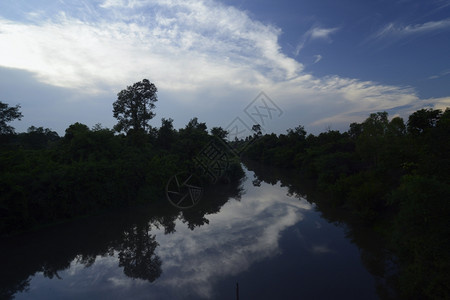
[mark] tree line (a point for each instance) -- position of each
(47, 179)
(389, 175)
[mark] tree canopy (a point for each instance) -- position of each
(134, 105)
(8, 114)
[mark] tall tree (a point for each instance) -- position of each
(8, 114)
(370, 142)
(298, 133)
(133, 107)
(423, 120)
(257, 130)
(166, 133)
(219, 132)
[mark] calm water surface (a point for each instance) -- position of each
(270, 241)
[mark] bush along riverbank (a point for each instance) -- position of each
(390, 175)
(89, 170)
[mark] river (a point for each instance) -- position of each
(259, 239)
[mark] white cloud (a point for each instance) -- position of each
(321, 33)
(315, 33)
(434, 103)
(199, 52)
(183, 44)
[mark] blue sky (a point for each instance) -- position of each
(324, 63)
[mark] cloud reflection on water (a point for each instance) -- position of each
(193, 261)
(242, 234)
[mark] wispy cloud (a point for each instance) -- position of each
(317, 58)
(441, 74)
(315, 33)
(321, 33)
(399, 31)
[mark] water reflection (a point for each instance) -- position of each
(137, 254)
(242, 234)
(123, 240)
(375, 256)
(159, 252)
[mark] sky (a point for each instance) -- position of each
(322, 64)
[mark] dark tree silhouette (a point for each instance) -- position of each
(423, 120)
(195, 125)
(298, 132)
(8, 114)
(219, 132)
(166, 133)
(133, 107)
(257, 129)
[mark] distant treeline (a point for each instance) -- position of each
(390, 175)
(46, 178)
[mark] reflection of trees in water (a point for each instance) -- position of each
(374, 254)
(10, 287)
(53, 250)
(83, 242)
(256, 182)
(166, 221)
(137, 254)
(214, 198)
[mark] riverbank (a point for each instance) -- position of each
(47, 180)
(390, 177)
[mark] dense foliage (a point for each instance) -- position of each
(47, 179)
(389, 175)
(8, 114)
